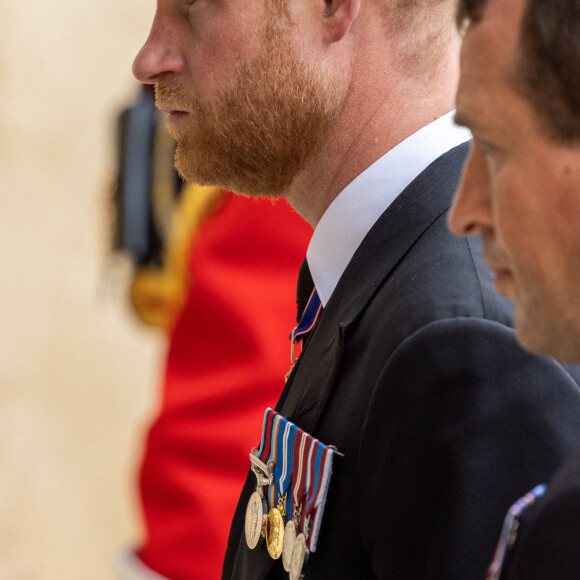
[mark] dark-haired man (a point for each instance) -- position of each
(412, 371)
(519, 93)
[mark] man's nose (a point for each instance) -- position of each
(471, 211)
(159, 55)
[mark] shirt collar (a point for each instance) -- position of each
(359, 205)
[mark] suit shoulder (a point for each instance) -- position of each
(469, 356)
(441, 277)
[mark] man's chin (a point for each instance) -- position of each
(528, 342)
(538, 337)
(198, 165)
(504, 284)
(202, 174)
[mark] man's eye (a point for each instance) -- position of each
(493, 155)
(191, 2)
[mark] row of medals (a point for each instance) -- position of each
(281, 539)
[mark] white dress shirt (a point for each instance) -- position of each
(359, 205)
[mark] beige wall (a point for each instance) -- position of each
(77, 372)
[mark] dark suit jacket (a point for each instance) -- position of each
(414, 374)
(548, 542)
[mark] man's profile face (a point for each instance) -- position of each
(247, 110)
(520, 190)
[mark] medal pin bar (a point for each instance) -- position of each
(295, 468)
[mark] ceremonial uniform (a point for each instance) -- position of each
(413, 374)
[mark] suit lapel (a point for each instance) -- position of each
(396, 231)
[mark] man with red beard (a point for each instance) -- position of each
(410, 368)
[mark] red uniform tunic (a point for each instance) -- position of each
(228, 354)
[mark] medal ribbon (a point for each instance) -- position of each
(299, 467)
(313, 481)
(310, 484)
(293, 470)
(509, 529)
(273, 456)
(321, 493)
(264, 450)
(304, 464)
(307, 322)
(285, 444)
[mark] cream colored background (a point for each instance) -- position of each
(77, 371)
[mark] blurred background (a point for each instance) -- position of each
(78, 371)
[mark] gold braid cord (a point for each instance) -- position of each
(158, 294)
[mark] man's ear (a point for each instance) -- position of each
(339, 16)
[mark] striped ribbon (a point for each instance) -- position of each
(307, 322)
(509, 530)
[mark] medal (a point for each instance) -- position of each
(275, 520)
(308, 321)
(297, 448)
(292, 471)
(302, 442)
(291, 561)
(319, 469)
(255, 522)
(275, 533)
(323, 468)
(299, 553)
(283, 471)
(273, 456)
(289, 540)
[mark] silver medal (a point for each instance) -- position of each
(299, 553)
(254, 520)
(289, 540)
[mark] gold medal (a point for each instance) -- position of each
(275, 533)
(255, 520)
(299, 553)
(289, 540)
